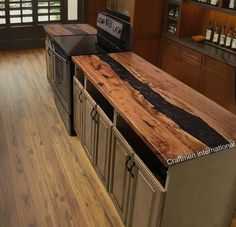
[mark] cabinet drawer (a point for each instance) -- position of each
(217, 67)
(191, 55)
(171, 46)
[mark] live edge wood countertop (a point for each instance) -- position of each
(171, 118)
(69, 29)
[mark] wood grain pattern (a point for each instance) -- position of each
(68, 29)
(45, 176)
(164, 137)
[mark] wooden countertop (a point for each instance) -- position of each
(175, 121)
(69, 29)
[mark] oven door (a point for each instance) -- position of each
(62, 79)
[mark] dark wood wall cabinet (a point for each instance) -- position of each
(205, 74)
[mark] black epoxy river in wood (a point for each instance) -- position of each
(190, 123)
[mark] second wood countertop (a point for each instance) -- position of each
(69, 29)
(171, 118)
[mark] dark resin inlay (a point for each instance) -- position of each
(190, 123)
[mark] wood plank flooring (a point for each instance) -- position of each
(46, 179)
(45, 176)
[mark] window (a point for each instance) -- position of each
(15, 12)
(48, 10)
(2, 12)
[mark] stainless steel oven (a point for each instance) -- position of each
(112, 36)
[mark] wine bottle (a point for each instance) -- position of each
(233, 45)
(209, 31)
(222, 36)
(229, 38)
(214, 2)
(232, 4)
(216, 34)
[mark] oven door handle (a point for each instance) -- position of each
(59, 56)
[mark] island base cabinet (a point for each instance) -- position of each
(89, 125)
(148, 198)
(78, 108)
(102, 146)
(120, 179)
(49, 60)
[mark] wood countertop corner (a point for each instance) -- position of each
(175, 121)
(69, 29)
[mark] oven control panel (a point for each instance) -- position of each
(110, 25)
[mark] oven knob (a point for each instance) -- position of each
(118, 30)
(101, 20)
(114, 28)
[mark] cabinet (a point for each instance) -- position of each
(148, 198)
(172, 16)
(102, 145)
(119, 174)
(190, 68)
(78, 108)
(93, 127)
(138, 196)
(214, 79)
(89, 112)
(49, 60)
(182, 63)
(170, 59)
(218, 82)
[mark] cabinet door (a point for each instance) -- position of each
(170, 60)
(218, 82)
(49, 60)
(148, 198)
(190, 68)
(89, 111)
(102, 146)
(78, 107)
(119, 175)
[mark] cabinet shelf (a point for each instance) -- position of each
(211, 7)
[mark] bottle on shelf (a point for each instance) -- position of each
(214, 2)
(228, 40)
(177, 12)
(171, 12)
(222, 36)
(233, 45)
(209, 32)
(232, 4)
(216, 34)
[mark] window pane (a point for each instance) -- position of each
(42, 4)
(27, 19)
(55, 3)
(15, 5)
(15, 12)
(42, 18)
(55, 10)
(27, 11)
(15, 20)
(55, 17)
(2, 21)
(40, 11)
(27, 5)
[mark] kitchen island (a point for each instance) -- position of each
(165, 152)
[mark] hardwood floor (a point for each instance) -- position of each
(46, 179)
(45, 176)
